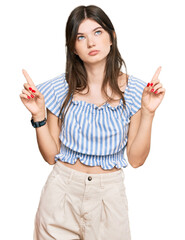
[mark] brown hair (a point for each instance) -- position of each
(76, 75)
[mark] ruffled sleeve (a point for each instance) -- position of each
(54, 91)
(136, 87)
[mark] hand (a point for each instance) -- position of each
(32, 98)
(153, 94)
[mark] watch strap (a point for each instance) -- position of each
(38, 124)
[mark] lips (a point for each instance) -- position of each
(93, 53)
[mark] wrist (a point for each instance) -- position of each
(147, 113)
(38, 117)
(38, 123)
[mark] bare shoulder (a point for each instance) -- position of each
(122, 81)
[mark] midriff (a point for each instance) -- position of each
(88, 169)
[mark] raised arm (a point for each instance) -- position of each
(46, 135)
(139, 135)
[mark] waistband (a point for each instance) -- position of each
(90, 178)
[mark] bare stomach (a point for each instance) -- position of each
(88, 169)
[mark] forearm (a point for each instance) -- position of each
(140, 147)
(47, 146)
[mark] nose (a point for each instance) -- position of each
(90, 42)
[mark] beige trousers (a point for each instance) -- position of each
(76, 205)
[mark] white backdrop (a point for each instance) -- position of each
(150, 34)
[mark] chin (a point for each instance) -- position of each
(96, 59)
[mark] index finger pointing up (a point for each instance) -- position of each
(28, 78)
(156, 74)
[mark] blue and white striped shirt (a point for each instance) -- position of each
(95, 135)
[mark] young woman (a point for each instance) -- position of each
(94, 111)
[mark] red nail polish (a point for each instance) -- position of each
(32, 96)
(151, 84)
(30, 88)
(33, 91)
(148, 84)
(152, 90)
(28, 97)
(156, 92)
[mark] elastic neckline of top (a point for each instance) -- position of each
(104, 105)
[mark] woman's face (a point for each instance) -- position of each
(92, 42)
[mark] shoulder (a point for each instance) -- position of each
(55, 88)
(58, 79)
(136, 83)
(58, 82)
(54, 91)
(130, 83)
(122, 81)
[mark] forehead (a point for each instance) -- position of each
(88, 25)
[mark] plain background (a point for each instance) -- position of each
(150, 34)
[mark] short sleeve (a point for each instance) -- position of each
(136, 87)
(54, 91)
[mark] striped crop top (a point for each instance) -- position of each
(95, 135)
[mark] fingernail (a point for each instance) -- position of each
(28, 97)
(30, 88)
(33, 91)
(148, 84)
(152, 90)
(151, 84)
(32, 96)
(156, 92)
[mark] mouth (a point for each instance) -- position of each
(93, 53)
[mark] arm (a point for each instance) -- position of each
(48, 137)
(139, 138)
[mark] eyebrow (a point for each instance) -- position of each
(92, 31)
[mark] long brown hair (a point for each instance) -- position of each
(76, 75)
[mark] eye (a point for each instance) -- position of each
(80, 37)
(98, 32)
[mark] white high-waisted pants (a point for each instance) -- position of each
(76, 205)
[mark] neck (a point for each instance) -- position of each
(95, 74)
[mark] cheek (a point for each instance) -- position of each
(106, 43)
(80, 53)
(107, 39)
(79, 49)
(106, 46)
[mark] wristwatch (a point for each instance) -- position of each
(38, 124)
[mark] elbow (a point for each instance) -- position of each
(50, 160)
(136, 162)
